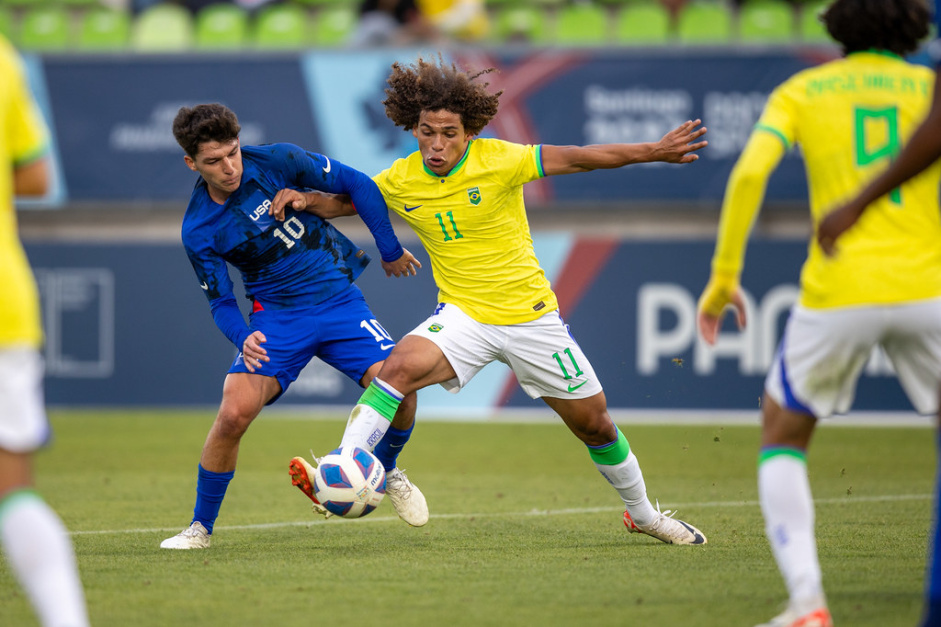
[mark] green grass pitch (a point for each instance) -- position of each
(523, 530)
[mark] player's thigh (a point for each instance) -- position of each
(548, 362)
(23, 423)
(466, 344)
(913, 344)
(353, 340)
(820, 357)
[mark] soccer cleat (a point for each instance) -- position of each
(666, 529)
(819, 617)
(193, 537)
(407, 499)
(302, 475)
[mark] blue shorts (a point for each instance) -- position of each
(342, 331)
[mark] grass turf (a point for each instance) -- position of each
(523, 530)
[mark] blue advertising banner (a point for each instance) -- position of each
(128, 325)
(112, 115)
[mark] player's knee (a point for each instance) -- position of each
(231, 423)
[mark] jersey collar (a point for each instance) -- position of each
(460, 164)
(876, 51)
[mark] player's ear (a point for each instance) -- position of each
(189, 162)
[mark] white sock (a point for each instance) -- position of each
(364, 428)
(628, 480)
(788, 508)
(366, 424)
(39, 551)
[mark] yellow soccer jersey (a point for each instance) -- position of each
(473, 225)
(851, 117)
(23, 140)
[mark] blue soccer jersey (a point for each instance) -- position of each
(296, 263)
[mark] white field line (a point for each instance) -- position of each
(849, 500)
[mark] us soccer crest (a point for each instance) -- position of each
(473, 194)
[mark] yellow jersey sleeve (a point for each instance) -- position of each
(23, 140)
(473, 225)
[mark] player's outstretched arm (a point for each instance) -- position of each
(923, 149)
(677, 146)
(327, 206)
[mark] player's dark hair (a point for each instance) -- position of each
(214, 122)
(433, 86)
(893, 25)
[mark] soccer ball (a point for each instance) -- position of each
(350, 482)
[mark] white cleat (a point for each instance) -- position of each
(814, 614)
(407, 499)
(193, 537)
(666, 529)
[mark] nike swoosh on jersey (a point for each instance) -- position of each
(204, 285)
(572, 388)
(386, 347)
(407, 208)
(327, 168)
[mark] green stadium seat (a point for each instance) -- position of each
(322, 4)
(221, 26)
(281, 27)
(810, 27)
(334, 25)
(643, 24)
(104, 29)
(45, 28)
(766, 21)
(163, 28)
(582, 24)
(705, 22)
(521, 24)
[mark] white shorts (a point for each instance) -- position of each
(23, 423)
(543, 355)
(823, 352)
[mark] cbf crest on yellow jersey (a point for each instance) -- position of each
(851, 117)
(22, 141)
(473, 224)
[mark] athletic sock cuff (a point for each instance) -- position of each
(769, 452)
(612, 453)
(10, 500)
(382, 399)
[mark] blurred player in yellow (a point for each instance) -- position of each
(850, 117)
(463, 196)
(921, 151)
(35, 542)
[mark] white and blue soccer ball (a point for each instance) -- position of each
(350, 482)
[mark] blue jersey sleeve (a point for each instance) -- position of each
(320, 172)
(213, 277)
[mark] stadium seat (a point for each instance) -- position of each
(104, 29)
(334, 25)
(642, 24)
(811, 28)
(44, 28)
(581, 24)
(163, 28)
(281, 27)
(221, 26)
(521, 24)
(766, 21)
(705, 22)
